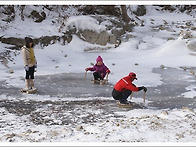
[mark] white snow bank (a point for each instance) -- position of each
(176, 48)
(191, 92)
(83, 23)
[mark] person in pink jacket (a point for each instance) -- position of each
(100, 69)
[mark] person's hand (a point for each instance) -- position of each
(26, 68)
(35, 65)
(108, 71)
(145, 89)
(87, 69)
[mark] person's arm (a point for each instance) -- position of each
(132, 87)
(90, 69)
(107, 69)
(24, 57)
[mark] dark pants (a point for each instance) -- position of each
(97, 76)
(121, 96)
(30, 73)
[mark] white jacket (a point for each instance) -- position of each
(26, 57)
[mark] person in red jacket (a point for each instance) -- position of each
(124, 87)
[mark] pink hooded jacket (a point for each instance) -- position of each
(103, 69)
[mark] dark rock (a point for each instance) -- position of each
(141, 10)
(38, 17)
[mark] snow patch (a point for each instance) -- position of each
(83, 23)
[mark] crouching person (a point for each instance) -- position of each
(124, 87)
(100, 69)
(30, 63)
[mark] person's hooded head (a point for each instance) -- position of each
(132, 75)
(28, 40)
(99, 60)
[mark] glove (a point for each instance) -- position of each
(26, 68)
(108, 71)
(88, 69)
(145, 89)
(35, 65)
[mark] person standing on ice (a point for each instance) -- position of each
(124, 87)
(100, 69)
(30, 63)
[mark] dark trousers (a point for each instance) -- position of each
(30, 73)
(97, 76)
(121, 96)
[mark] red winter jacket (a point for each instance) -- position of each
(125, 84)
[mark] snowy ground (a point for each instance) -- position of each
(70, 109)
(80, 111)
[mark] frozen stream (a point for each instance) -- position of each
(167, 95)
